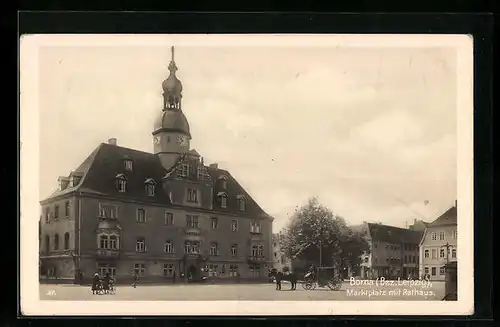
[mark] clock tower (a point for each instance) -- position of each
(171, 134)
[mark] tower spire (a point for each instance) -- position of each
(172, 67)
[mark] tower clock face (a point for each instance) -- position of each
(182, 140)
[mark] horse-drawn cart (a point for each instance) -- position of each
(324, 277)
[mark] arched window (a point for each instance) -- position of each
(103, 241)
(66, 241)
(255, 250)
(150, 187)
(169, 247)
(47, 244)
(242, 202)
(234, 250)
(214, 249)
(113, 242)
(56, 242)
(121, 183)
(261, 250)
(223, 199)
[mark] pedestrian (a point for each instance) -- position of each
(173, 278)
(95, 283)
(293, 281)
(279, 278)
(135, 278)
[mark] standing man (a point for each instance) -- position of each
(279, 278)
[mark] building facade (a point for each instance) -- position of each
(280, 260)
(439, 245)
(393, 252)
(163, 214)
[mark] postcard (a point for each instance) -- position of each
(185, 175)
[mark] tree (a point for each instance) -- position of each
(314, 231)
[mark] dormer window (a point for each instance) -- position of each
(128, 164)
(150, 186)
(242, 202)
(185, 170)
(223, 182)
(121, 183)
(192, 195)
(223, 199)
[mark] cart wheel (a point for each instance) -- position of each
(334, 284)
(313, 286)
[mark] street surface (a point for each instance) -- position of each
(244, 292)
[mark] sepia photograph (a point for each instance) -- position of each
(236, 175)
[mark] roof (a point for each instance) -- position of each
(101, 167)
(449, 217)
(392, 234)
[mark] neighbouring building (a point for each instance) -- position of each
(418, 225)
(280, 259)
(160, 214)
(393, 252)
(439, 245)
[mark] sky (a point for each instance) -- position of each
(371, 131)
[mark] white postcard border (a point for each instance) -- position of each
(29, 170)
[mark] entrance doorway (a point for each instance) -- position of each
(192, 273)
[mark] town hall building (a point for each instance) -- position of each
(164, 214)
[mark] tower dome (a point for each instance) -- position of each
(172, 121)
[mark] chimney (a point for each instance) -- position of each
(112, 141)
(214, 166)
(63, 182)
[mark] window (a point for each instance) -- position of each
(56, 242)
(223, 182)
(140, 245)
(128, 164)
(433, 236)
(66, 241)
(169, 218)
(426, 270)
(233, 270)
(215, 223)
(455, 234)
(405, 259)
(441, 253)
(56, 211)
(261, 251)
(413, 259)
(191, 247)
(192, 195)
(140, 269)
(141, 216)
(234, 250)
(185, 170)
(386, 246)
(107, 269)
(255, 270)
(121, 183)
(442, 270)
(255, 250)
(213, 269)
(426, 253)
(222, 269)
(214, 250)
(66, 209)
(168, 247)
(223, 200)
(242, 203)
(234, 225)
(47, 215)
(255, 227)
(47, 244)
(150, 187)
(434, 253)
(453, 253)
(199, 172)
(392, 246)
(168, 270)
(192, 221)
(113, 242)
(433, 271)
(441, 236)
(108, 211)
